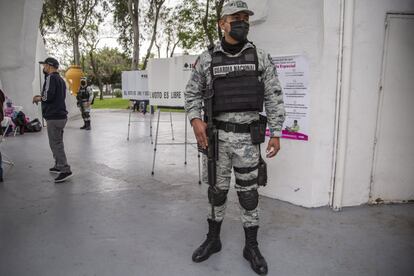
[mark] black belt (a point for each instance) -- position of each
(232, 127)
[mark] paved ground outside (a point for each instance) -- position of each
(114, 218)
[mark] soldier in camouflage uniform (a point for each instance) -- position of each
(235, 149)
(84, 100)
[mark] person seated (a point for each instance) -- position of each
(9, 110)
(7, 113)
(16, 117)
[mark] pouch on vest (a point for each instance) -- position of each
(258, 130)
(262, 172)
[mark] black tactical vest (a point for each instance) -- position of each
(83, 94)
(236, 83)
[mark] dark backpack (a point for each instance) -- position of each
(34, 126)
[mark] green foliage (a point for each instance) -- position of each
(117, 93)
(69, 18)
(189, 16)
(181, 25)
(110, 62)
(123, 24)
(67, 23)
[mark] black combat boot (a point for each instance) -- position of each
(211, 245)
(88, 125)
(252, 253)
(84, 125)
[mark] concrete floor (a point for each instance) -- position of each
(114, 218)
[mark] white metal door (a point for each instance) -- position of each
(393, 168)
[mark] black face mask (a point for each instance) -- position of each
(239, 30)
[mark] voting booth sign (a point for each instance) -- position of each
(135, 85)
(167, 79)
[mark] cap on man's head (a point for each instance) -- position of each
(51, 61)
(235, 6)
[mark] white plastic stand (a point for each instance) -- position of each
(186, 143)
(138, 121)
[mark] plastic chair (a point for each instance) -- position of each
(7, 123)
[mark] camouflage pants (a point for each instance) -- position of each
(85, 110)
(240, 155)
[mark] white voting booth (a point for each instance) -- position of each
(167, 79)
(135, 87)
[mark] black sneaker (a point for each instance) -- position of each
(62, 177)
(54, 170)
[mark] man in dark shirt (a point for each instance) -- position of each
(55, 113)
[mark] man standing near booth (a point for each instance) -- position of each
(233, 79)
(55, 113)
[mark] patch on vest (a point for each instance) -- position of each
(225, 69)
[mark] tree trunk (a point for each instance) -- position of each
(76, 53)
(133, 10)
(173, 49)
(205, 24)
(78, 24)
(158, 4)
(158, 48)
(167, 49)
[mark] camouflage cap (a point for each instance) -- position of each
(235, 6)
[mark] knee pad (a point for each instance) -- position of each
(249, 199)
(218, 196)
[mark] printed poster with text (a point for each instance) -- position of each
(293, 72)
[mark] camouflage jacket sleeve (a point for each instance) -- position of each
(193, 91)
(273, 96)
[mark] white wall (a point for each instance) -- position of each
(369, 32)
(302, 171)
(21, 48)
(18, 33)
(312, 27)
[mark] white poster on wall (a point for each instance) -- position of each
(293, 72)
(168, 78)
(135, 85)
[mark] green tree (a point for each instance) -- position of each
(126, 14)
(198, 21)
(106, 64)
(153, 16)
(90, 43)
(133, 11)
(69, 17)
